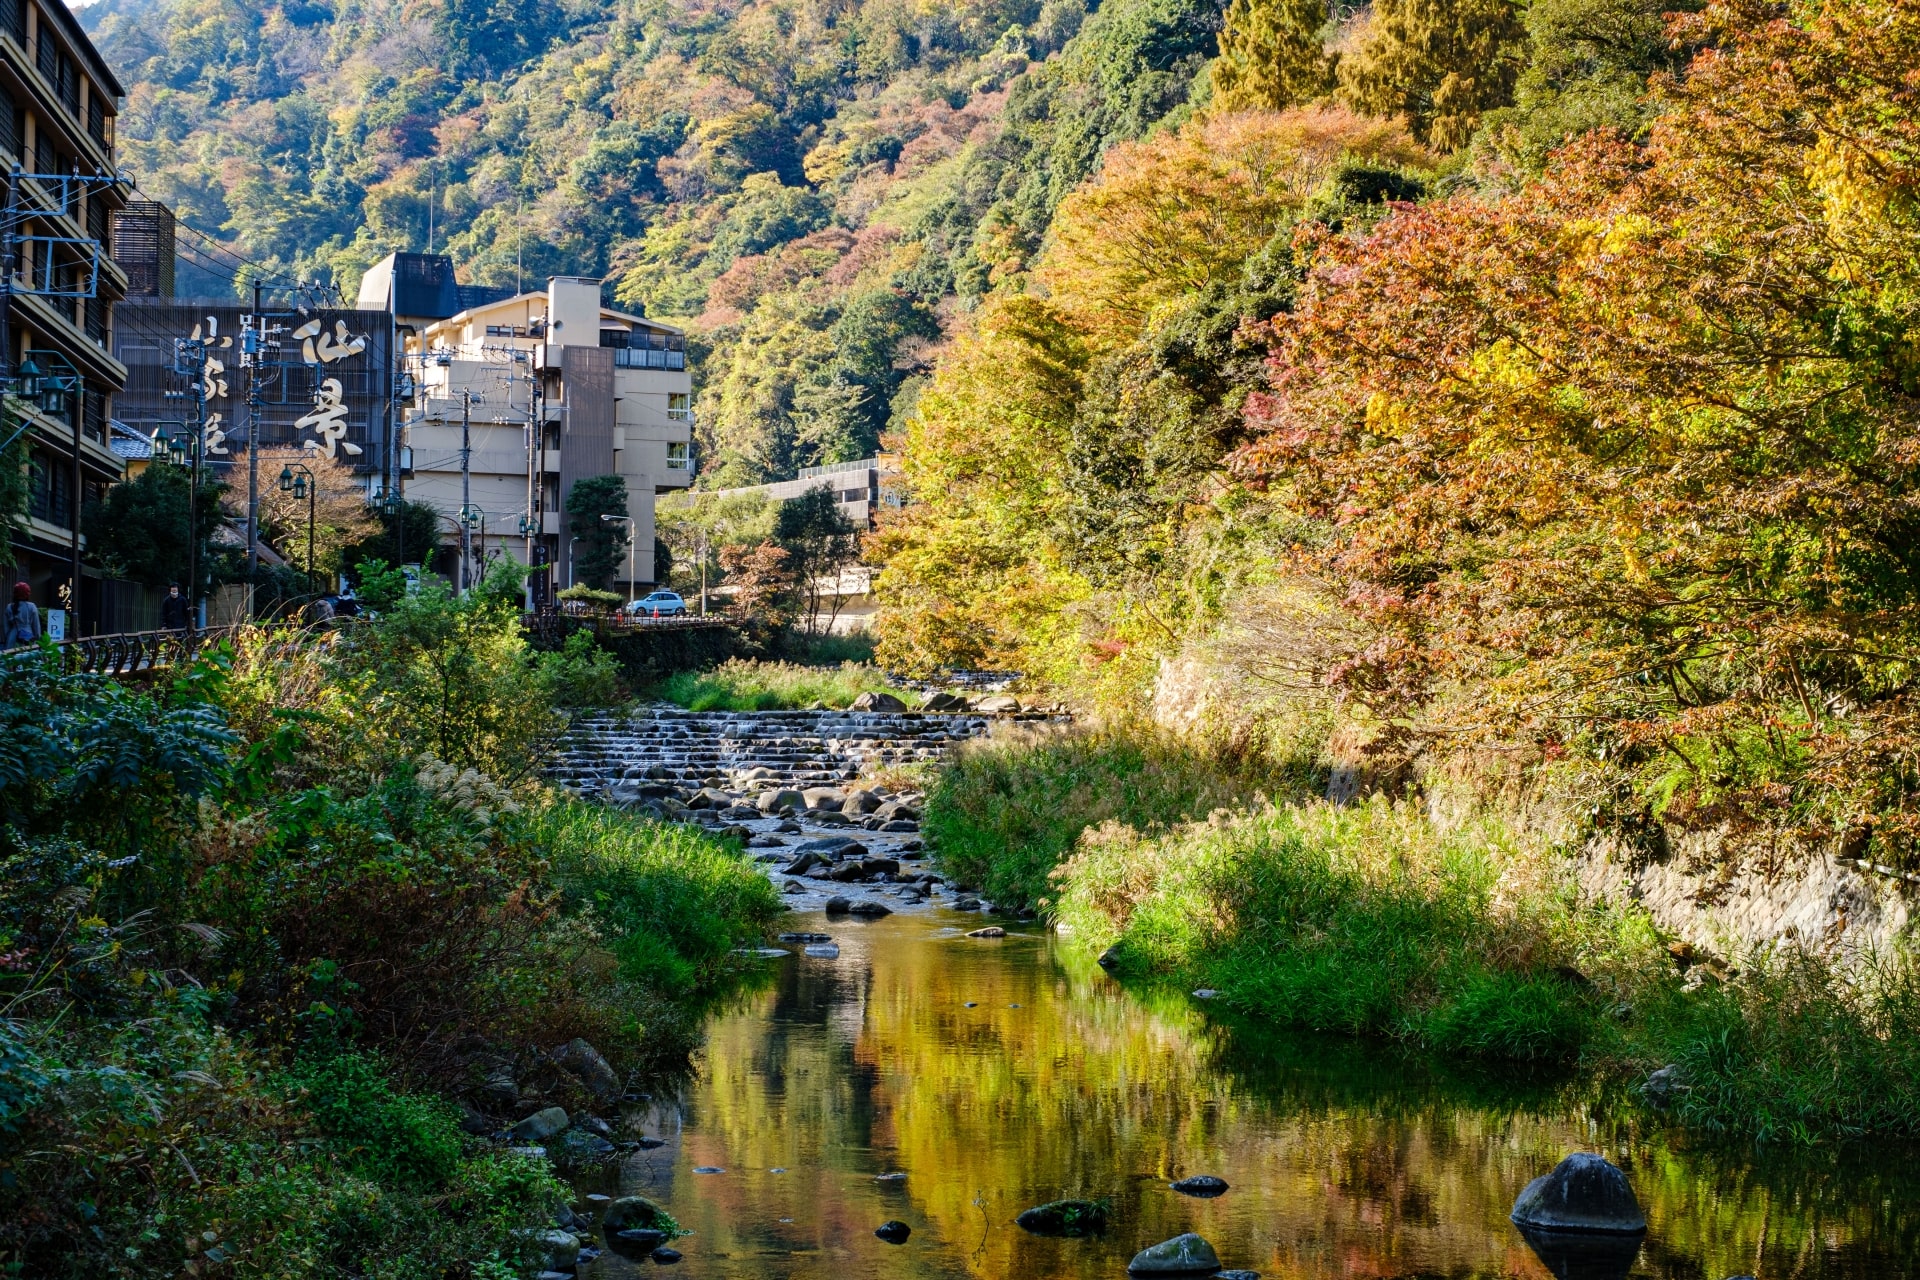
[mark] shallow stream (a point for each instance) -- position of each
(998, 1074)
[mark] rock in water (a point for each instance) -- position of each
(1065, 1218)
(1204, 1185)
(871, 908)
(1584, 1193)
(1186, 1255)
(632, 1213)
(636, 1242)
(1110, 958)
(560, 1249)
(665, 1257)
(894, 1232)
(838, 905)
(539, 1125)
(991, 931)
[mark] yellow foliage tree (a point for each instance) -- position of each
(1439, 63)
(1271, 55)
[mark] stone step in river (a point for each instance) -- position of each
(788, 783)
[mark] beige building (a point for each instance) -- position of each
(552, 388)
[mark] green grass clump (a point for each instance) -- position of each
(1351, 920)
(1001, 815)
(671, 902)
(743, 685)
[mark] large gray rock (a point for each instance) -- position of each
(540, 1125)
(593, 1071)
(1204, 1185)
(878, 702)
(896, 809)
(1584, 1193)
(1186, 1255)
(560, 1250)
(860, 801)
(781, 798)
(998, 704)
(828, 799)
(833, 848)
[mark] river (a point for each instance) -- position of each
(995, 1074)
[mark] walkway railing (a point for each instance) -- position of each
(129, 652)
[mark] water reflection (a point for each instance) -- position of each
(1345, 1160)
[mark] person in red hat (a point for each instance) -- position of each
(22, 622)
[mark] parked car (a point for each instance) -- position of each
(661, 604)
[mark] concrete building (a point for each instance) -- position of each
(552, 388)
(860, 487)
(58, 101)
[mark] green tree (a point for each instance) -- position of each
(602, 547)
(139, 530)
(1271, 55)
(1440, 63)
(407, 536)
(820, 543)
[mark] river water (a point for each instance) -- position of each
(998, 1074)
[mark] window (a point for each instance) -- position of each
(13, 20)
(97, 119)
(47, 55)
(677, 457)
(679, 408)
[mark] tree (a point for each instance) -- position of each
(407, 536)
(1440, 63)
(139, 530)
(1271, 55)
(820, 543)
(601, 550)
(761, 578)
(339, 511)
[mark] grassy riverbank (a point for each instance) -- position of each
(1366, 920)
(276, 933)
(741, 685)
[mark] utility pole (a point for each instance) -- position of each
(703, 573)
(466, 484)
(252, 350)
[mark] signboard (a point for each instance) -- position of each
(56, 624)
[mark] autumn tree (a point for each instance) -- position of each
(821, 544)
(760, 579)
(337, 512)
(1272, 56)
(1441, 64)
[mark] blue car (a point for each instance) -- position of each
(661, 604)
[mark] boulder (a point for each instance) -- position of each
(828, 818)
(901, 825)
(1584, 1193)
(870, 908)
(894, 1232)
(1065, 1218)
(1584, 1255)
(838, 905)
(664, 1256)
(966, 904)
(1186, 1255)
(540, 1125)
(998, 704)
(881, 866)
(592, 1070)
(1204, 1185)
(849, 872)
(896, 810)
(741, 813)
(860, 802)
(633, 1213)
(833, 848)
(636, 1242)
(805, 863)
(992, 931)
(1661, 1086)
(1110, 958)
(578, 1147)
(828, 799)
(781, 798)
(877, 702)
(944, 702)
(559, 1250)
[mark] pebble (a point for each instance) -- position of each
(894, 1232)
(707, 1168)
(972, 1005)
(664, 1256)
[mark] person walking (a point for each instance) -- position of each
(22, 622)
(173, 610)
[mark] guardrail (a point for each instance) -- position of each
(127, 653)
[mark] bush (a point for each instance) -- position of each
(1002, 814)
(739, 685)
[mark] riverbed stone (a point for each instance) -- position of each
(636, 1242)
(1110, 958)
(540, 1125)
(780, 798)
(1203, 1185)
(860, 801)
(592, 1070)
(664, 1256)
(893, 809)
(1184, 1255)
(893, 1232)
(824, 799)
(805, 863)
(838, 905)
(966, 903)
(874, 700)
(1584, 1193)
(632, 1213)
(991, 931)
(559, 1250)
(869, 907)
(1065, 1218)
(997, 704)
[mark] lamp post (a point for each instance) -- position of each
(631, 539)
(182, 449)
(470, 519)
(570, 542)
(305, 485)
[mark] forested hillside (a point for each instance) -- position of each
(813, 183)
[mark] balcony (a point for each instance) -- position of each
(648, 358)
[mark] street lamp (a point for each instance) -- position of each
(305, 485)
(632, 537)
(470, 519)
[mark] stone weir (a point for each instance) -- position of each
(613, 757)
(787, 784)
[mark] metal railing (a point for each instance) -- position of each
(126, 653)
